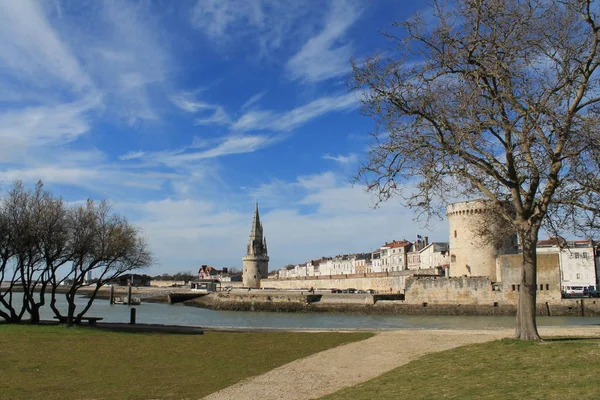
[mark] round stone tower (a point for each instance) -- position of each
(256, 260)
(473, 253)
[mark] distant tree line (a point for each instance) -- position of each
(185, 276)
(48, 249)
(179, 276)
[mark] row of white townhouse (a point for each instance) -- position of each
(397, 255)
(579, 261)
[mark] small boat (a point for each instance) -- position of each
(135, 301)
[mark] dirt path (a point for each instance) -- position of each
(348, 365)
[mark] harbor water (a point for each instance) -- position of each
(179, 314)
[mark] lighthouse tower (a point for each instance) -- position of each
(256, 260)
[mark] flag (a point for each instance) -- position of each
(419, 238)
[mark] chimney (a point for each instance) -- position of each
(426, 240)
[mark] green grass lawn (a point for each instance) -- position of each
(505, 369)
(56, 362)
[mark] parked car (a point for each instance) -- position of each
(336, 291)
(575, 291)
(370, 291)
(593, 292)
(351, 290)
(361, 291)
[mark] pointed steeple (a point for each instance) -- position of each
(257, 246)
(256, 232)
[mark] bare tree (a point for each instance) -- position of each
(8, 274)
(498, 100)
(105, 244)
(27, 260)
(39, 235)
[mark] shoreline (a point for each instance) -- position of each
(369, 305)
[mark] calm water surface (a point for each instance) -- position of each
(155, 313)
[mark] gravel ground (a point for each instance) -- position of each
(348, 365)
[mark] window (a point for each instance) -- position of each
(584, 255)
(513, 288)
(541, 286)
(547, 286)
(455, 234)
(576, 256)
(578, 276)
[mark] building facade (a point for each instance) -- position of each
(433, 255)
(577, 261)
(394, 255)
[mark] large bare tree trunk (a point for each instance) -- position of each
(526, 312)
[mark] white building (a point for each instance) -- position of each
(363, 263)
(433, 255)
(577, 261)
(394, 255)
(376, 261)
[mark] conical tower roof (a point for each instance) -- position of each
(257, 230)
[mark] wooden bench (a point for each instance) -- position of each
(90, 320)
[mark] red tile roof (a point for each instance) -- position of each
(397, 243)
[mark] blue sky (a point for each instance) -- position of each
(183, 113)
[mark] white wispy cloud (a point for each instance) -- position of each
(104, 179)
(296, 117)
(187, 101)
(347, 159)
(123, 50)
(42, 125)
(254, 120)
(326, 55)
(237, 142)
(132, 155)
(253, 100)
(269, 24)
(219, 116)
(33, 51)
(233, 144)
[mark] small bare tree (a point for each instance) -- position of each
(39, 235)
(103, 243)
(32, 244)
(498, 100)
(8, 274)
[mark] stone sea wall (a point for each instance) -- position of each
(369, 304)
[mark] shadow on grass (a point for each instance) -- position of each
(570, 339)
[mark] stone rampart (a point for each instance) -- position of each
(459, 290)
(548, 277)
(380, 282)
